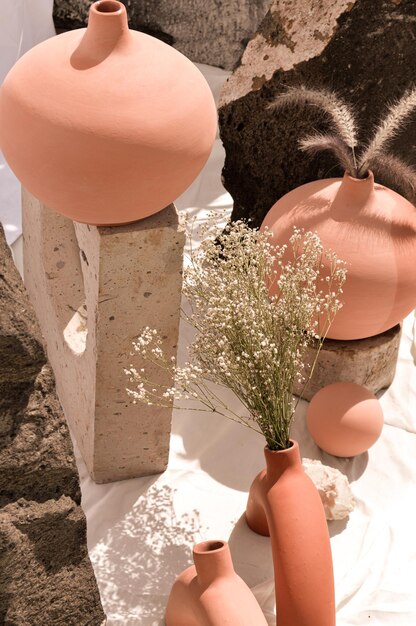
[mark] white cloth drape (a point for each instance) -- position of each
(23, 24)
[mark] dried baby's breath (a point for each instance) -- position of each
(246, 340)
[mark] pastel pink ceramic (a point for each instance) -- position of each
(284, 503)
(106, 125)
(370, 227)
(210, 593)
(344, 419)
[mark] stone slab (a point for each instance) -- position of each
(94, 289)
(206, 31)
(366, 55)
(45, 573)
(368, 362)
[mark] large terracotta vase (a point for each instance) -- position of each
(210, 593)
(284, 503)
(106, 125)
(371, 228)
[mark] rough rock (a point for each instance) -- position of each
(366, 55)
(44, 565)
(369, 362)
(206, 31)
(333, 487)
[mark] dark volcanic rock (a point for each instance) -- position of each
(363, 50)
(206, 31)
(46, 576)
(45, 572)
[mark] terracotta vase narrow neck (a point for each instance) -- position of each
(212, 561)
(107, 29)
(278, 461)
(210, 593)
(353, 196)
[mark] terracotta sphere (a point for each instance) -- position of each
(372, 229)
(344, 419)
(106, 125)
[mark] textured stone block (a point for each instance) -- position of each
(45, 572)
(45, 566)
(206, 31)
(365, 54)
(94, 289)
(369, 362)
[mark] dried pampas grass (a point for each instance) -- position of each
(343, 141)
(319, 142)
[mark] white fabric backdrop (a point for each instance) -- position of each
(23, 23)
(141, 531)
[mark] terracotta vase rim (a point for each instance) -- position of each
(354, 179)
(117, 10)
(293, 446)
(208, 547)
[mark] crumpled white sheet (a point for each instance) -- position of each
(141, 531)
(23, 23)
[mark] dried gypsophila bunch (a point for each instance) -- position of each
(246, 340)
(343, 141)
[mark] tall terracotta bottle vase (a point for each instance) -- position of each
(284, 503)
(210, 593)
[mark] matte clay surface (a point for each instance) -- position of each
(285, 504)
(345, 419)
(210, 593)
(365, 54)
(45, 572)
(94, 122)
(372, 229)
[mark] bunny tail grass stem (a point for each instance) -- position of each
(388, 128)
(318, 142)
(397, 173)
(339, 113)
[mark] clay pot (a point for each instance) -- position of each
(106, 125)
(370, 227)
(210, 593)
(344, 419)
(284, 503)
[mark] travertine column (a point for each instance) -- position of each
(94, 289)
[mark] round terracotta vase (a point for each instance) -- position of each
(372, 229)
(210, 593)
(106, 125)
(344, 419)
(284, 503)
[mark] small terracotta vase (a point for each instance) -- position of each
(210, 593)
(344, 419)
(284, 503)
(370, 227)
(106, 125)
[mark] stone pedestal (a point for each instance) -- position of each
(94, 289)
(368, 362)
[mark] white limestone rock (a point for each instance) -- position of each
(333, 487)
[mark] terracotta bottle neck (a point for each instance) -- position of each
(278, 461)
(352, 197)
(107, 29)
(212, 560)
